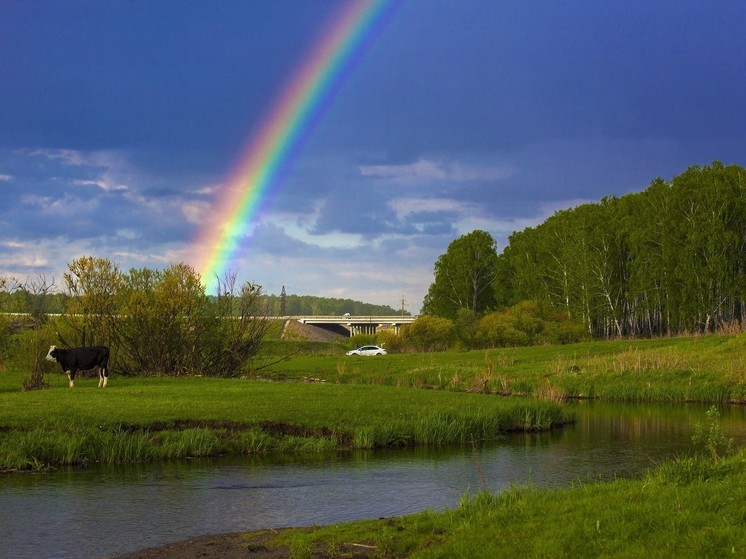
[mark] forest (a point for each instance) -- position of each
(668, 260)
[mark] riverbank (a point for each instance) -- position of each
(691, 507)
(254, 545)
(234, 545)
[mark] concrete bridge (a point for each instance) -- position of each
(351, 325)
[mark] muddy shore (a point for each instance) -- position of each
(236, 545)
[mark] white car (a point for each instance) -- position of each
(367, 350)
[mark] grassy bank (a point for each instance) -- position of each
(137, 419)
(704, 369)
(688, 508)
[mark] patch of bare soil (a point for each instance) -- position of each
(295, 330)
(226, 546)
(239, 545)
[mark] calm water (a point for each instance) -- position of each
(102, 512)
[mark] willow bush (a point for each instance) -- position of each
(161, 321)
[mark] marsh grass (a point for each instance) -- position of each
(711, 436)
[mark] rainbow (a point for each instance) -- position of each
(271, 149)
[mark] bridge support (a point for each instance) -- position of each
(359, 324)
(362, 329)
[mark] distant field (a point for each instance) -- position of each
(703, 368)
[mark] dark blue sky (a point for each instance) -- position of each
(119, 121)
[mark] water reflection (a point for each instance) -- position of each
(100, 512)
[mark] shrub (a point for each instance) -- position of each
(429, 333)
(161, 321)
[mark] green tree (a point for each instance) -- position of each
(162, 320)
(467, 328)
(34, 341)
(239, 325)
(652, 250)
(666, 260)
(709, 221)
(463, 277)
(92, 285)
(168, 325)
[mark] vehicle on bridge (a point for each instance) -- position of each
(368, 350)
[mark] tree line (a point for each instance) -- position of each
(21, 298)
(668, 260)
(302, 305)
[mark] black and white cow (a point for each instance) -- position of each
(82, 359)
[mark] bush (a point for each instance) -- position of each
(467, 329)
(528, 323)
(361, 340)
(429, 333)
(498, 330)
(392, 342)
(161, 321)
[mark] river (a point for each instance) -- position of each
(104, 511)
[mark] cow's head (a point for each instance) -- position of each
(53, 353)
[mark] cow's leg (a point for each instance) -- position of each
(70, 378)
(103, 377)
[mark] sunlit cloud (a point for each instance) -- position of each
(196, 211)
(302, 230)
(98, 158)
(129, 234)
(209, 189)
(103, 184)
(28, 260)
(404, 207)
(426, 170)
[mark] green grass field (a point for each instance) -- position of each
(143, 419)
(703, 368)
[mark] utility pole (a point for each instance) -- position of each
(282, 301)
(403, 304)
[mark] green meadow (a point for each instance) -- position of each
(699, 368)
(145, 419)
